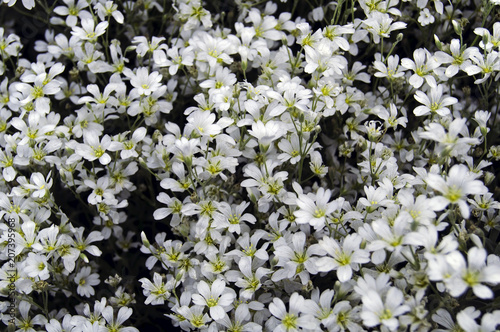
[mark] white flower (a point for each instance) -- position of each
(459, 183)
(433, 102)
(450, 144)
(38, 93)
(375, 197)
(37, 266)
(39, 184)
(443, 318)
(489, 322)
(179, 58)
(157, 292)
(376, 312)
(473, 274)
(232, 216)
(101, 190)
(291, 320)
(485, 66)
(491, 40)
(296, 258)
(109, 8)
(458, 59)
(28, 4)
(72, 11)
(268, 132)
(344, 259)
(194, 315)
(264, 25)
(85, 281)
(127, 148)
(89, 31)
(381, 25)
(314, 208)
(425, 17)
(143, 82)
(216, 297)
(249, 281)
(423, 67)
(115, 324)
(93, 149)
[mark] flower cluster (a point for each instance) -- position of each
(250, 166)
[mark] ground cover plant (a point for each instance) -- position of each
(249, 165)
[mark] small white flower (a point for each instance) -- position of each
(39, 184)
(291, 320)
(216, 297)
(143, 82)
(376, 312)
(459, 183)
(89, 31)
(433, 102)
(157, 292)
(93, 149)
(425, 17)
(85, 280)
(37, 266)
(315, 208)
(343, 259)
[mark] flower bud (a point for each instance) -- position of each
(145, 240)
(457, 27)
(438, 43)
(488, 178)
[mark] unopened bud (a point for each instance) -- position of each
(157, 136)
(84, 257)
(488, 178)
(145, 240)
(457, 27)
(438, 43)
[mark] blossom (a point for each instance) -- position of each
(143, 82)
(38, 93)
(459, 183)
(216, 297)
(291, 320)
(157, 292)
(458, 59)
(127, 148)
(232, 216)
(314, 209)
(489, 41)
(433, 102)
(381, 25)
(422, 66)
(472, 274)
(115, 324)
(107, 9)
(249, 281)
(376, 311)
(39, 184)
(449, 142)
(89, 31)
(37, 266)
(344, 259)
(101, 190)
(425, 17)
(485, 65)
(93, 148)
(466, 320)
(266, 133)
(295, 258)
(72, 11)
(85, 280)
